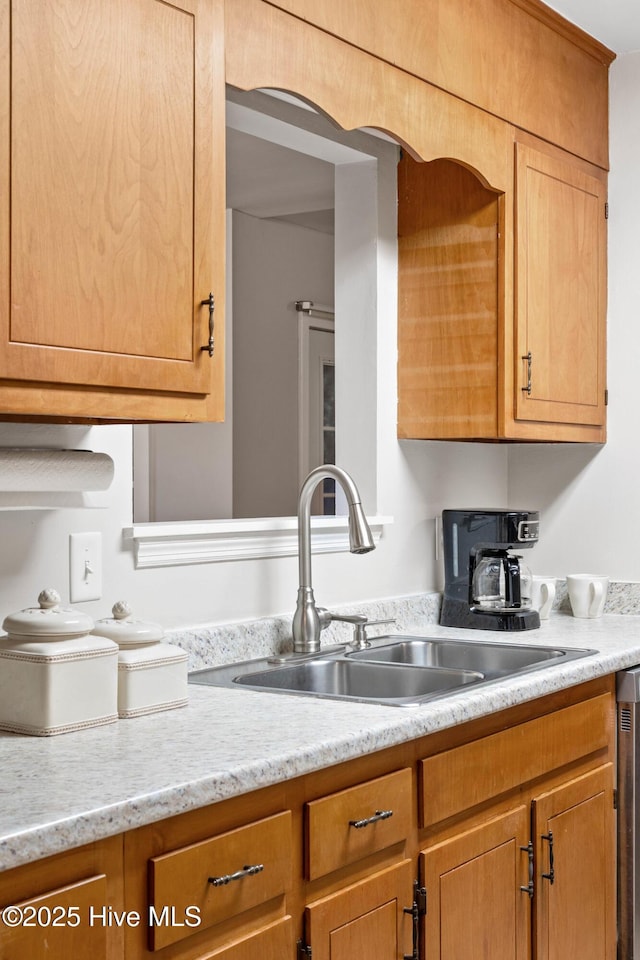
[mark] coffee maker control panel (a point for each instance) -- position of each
(528, 530)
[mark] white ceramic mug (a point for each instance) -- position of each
(543, 593)
(587, 594)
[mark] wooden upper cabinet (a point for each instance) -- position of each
(112, 139)
(516, 59)
(449, 248)
(266, 48)
(501, 249)
(560, 291)
(502, 300)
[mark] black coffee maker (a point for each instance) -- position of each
(486, 586)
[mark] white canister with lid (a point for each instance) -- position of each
(152, 675)
(55, 677)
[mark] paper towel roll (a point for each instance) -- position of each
(37, 470)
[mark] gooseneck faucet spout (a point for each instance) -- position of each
(308, 619)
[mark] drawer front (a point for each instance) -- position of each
(459, 779)
(72, 921)
(347, 826)
(204, 883)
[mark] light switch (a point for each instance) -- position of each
(85, 566)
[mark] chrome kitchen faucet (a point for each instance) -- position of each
(309, 620)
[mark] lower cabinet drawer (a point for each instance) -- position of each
(69, 922)
(347, 826)
(197, 886)
(459, 779)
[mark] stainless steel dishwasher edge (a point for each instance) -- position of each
(628, 697)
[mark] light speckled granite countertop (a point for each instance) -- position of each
(65, 791)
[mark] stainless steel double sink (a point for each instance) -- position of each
(393, 670)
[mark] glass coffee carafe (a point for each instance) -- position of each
(501, 582)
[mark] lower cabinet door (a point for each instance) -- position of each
(575, 913)
(476, 907)
(364, 920)
(275, 942)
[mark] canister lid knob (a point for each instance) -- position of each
(49, 598)
(121, 610)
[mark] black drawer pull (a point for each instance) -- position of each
(378, 815)
(238, 875)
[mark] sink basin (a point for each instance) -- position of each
(395, 670)
(492, 659)
(347, 679)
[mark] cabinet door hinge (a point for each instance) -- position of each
(303, 951)
(421, 900)
(606, 210)
(606, 398)
(615, 799)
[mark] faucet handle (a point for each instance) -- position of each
(360, 640)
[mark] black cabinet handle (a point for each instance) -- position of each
(211, 303)
(378, 815)
(238, 875)
(552, 873)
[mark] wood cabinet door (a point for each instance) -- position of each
(575, 913)
(366, 919)
(476, 907)
(274, 942)
(113, 147)
(560, 291)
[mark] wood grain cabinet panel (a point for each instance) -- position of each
(345, 827)
(449, 252)
(366, 919)
(516, 59)
(68, 906)
(560, 291)
(113, 206)
(473, 773)
(63, 923)
(220, 878)
(274, 942)
(574, 827)
(502, 300)
(476, 907)
(266, 48)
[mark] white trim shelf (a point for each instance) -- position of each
(211, 541)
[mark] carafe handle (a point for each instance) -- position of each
(512, 594)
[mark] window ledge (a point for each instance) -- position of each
(211, 541)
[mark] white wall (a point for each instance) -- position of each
(415, 481)
(589, 496)
(206, 471)
(34, 545)
(274, 264)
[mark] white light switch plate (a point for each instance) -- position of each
(85, 566)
